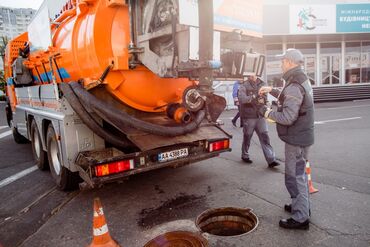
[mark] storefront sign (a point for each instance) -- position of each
(353, 18)
(228, 15)
(312, 19)
(353, 61)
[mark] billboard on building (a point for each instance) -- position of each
(228, 15)
(353, 18)
(312, 19)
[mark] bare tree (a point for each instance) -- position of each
(3, 42)
(2, 81)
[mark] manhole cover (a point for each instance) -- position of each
(227, 221)
(178, 238)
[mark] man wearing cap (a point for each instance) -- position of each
(252, 121)
(295, 126)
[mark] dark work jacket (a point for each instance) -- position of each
(248, 105)
(300, 130)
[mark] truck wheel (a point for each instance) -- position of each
(18, 138)
(65, 179)
(39, 154)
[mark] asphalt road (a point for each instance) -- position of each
(34, 213)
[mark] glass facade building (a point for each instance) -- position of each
(334, 38)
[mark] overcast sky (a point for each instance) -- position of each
(34, 4)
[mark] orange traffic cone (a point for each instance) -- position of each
(310, 186)
(101, 236)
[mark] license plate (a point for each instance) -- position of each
(172, 155)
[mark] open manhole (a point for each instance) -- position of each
(227, 221)
(178, 238)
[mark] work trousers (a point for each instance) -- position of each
(235, 118)
(296, 181)
(259, 125)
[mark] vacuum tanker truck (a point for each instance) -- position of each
(104, 89)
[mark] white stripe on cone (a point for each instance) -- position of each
(100, 230)
(99, 212)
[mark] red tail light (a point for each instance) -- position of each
(114, 167)
(218, 145)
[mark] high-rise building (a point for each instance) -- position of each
(14, 22)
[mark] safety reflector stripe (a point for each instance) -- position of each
(99, 212)
(101, 230)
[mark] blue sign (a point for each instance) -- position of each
(353, 18)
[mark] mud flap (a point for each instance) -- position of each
(215, 106)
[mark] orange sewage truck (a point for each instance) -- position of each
(104, 89)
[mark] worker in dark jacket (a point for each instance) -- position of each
(295, 126)
(252, 121)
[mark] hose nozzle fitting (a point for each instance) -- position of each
(179, 113)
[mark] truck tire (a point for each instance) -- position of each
(39, 154)
(65, 179)
(18, 138)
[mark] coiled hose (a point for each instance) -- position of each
(89, 120)
(122, 119)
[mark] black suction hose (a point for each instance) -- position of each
(121, 119)
(89, 120)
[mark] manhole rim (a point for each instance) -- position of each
(197, 235)
(249, 210)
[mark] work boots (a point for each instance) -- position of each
(292, 224)
(247, 160)
(273, 164)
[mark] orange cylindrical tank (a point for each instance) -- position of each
(92, 36)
